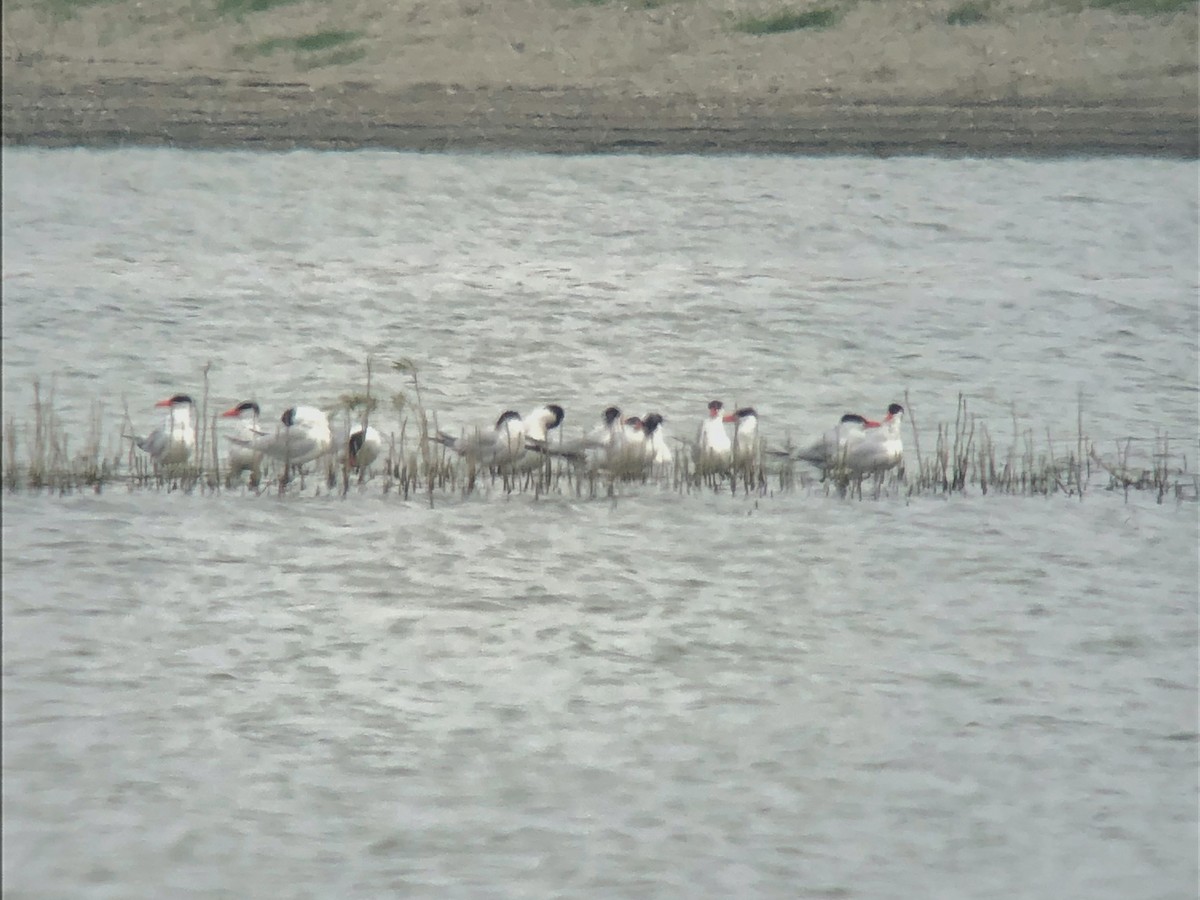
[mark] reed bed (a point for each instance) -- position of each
(959, 456)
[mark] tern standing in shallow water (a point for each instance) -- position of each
(658, 450)
(242, 458)
(746, 442)
(172, 443)
(880, 448)
(498, 447)
(830, 449)
(713, 447)
(362, 447)
(304, 435)
(541, 421)
(608, 433)
(514, 443)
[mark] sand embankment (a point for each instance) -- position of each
(1034, 77)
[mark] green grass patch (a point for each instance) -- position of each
(1143, 7)
(242, 7)
(1132, 7)
(337, 58)
(630, 4)
(63, 9)
(309, 43)
(787, 21)
(967, 14)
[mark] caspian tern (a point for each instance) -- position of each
(172, 443)
(746, 442)
(362, 447)
(506, 446)
(713, 447)
(608, 433)
(633, 437)
(658, 451)
(539, 422)
(241, 458)
(538, 425)
(304, 436)
(500, 446)
(625, 453)
(880, 448)
(594, 448)
(830, 449)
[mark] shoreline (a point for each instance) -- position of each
(885, 77)
(206, 112)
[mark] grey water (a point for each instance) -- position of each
(656, 694)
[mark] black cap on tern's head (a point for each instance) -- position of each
(651, 422)
(740, 415)
(854, 417)
(289, 416)
(558, 415)
(895, 409)
(244, 406)
(714, 407)
(356, 442)
(611, 415)
(507, 416)
(176, 400)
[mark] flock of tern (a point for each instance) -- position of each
(855, 447)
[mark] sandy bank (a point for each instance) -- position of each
(1031, 78)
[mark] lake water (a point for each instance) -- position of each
(662, 694)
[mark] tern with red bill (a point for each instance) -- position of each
(172, 443)
(302, 435)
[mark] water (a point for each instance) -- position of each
(688, 695)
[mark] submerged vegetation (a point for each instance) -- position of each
(960, 456)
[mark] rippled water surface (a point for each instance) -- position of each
(662, 694)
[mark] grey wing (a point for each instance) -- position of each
(154, 443)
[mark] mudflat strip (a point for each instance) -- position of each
(218, 113)
(1029, 78)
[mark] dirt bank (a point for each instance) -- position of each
(884, 76)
